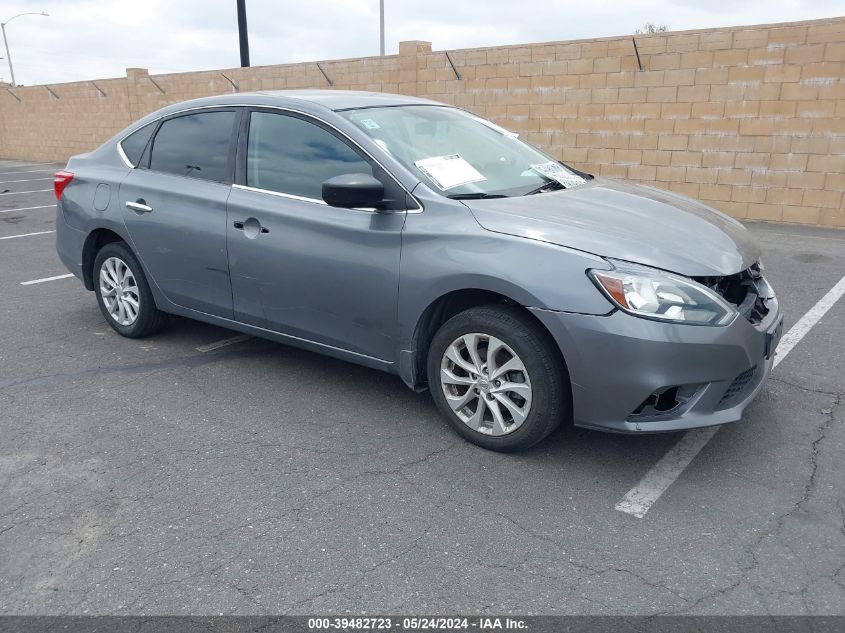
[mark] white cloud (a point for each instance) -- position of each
(90, 39)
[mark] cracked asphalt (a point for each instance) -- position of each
(145, 477)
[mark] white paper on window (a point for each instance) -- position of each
(558, 172)
(449, 171)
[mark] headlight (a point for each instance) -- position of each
(654, 294)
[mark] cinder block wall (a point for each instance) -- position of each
(749, 119)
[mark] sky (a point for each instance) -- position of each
(94, 39)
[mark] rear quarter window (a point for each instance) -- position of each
(133, 145)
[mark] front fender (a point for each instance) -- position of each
(445, 250)
(531, 273)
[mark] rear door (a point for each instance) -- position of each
(299, 266)
(174, 207)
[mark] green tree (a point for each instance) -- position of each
(649, 28)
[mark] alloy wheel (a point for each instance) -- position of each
(486, 384)
(119, 291)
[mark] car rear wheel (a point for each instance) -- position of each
(497, 377)
(123, 293)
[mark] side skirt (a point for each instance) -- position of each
(287, 339)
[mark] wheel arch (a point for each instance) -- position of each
(96, 239)
(443, 308)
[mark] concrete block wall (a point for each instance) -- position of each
(748, 119)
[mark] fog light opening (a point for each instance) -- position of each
(664, 401)
(667, 400)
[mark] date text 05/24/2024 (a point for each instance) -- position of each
(374, 623)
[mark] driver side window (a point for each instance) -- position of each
(290, 155)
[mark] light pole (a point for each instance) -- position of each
(6, 42)
(381, 27)
(243, 35)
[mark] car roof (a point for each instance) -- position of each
(312, 101)
(335, 100)
(348, 99)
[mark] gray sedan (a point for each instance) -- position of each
(422, 240)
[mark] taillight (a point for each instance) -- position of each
(61, 179)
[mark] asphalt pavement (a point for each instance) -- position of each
(149, 477)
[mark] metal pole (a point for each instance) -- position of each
(6, 41)
(9, 57)
(242, 34)
(381, 27)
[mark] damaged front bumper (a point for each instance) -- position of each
(633, 375)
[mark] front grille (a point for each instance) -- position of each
(737, 387)
(743, 291)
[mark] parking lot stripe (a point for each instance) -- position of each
(18, 193)
(45, 206)
(41, 281)
(813, 237)
(22, 163)
(11, 237)
(3, 182)
(226, 341)
(813, 316)
(25, 171)
(639, 499)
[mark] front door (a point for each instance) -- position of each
(174, 208)
(299, 266)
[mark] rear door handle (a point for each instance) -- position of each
(139, 206)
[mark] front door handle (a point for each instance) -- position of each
(251, 227)
(139, 206)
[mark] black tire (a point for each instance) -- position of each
(551, 394)
(149, 319)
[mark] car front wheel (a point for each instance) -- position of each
(496, 375)
(123, 293)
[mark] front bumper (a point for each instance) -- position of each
(616, 362)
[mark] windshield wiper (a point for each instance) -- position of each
(478, 195)
(554, 185)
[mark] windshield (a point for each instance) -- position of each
(460, 154)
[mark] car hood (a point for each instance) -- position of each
(626, 221)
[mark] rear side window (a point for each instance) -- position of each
(134, 144)
(293, 156)
(195, 145)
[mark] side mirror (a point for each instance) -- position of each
(353, 190)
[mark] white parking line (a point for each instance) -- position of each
(45, 206)
(639, 499)
(41, 281)
(226, 341)
(18, 193)
(24, 171)
(11, 237)
(22, 163)
(3, 182)
(813, 316)
(812, 237)
(663, 474)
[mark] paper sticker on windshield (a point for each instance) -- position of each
(498, 128)
(370, 124)
(449, 171)
(558, 172)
